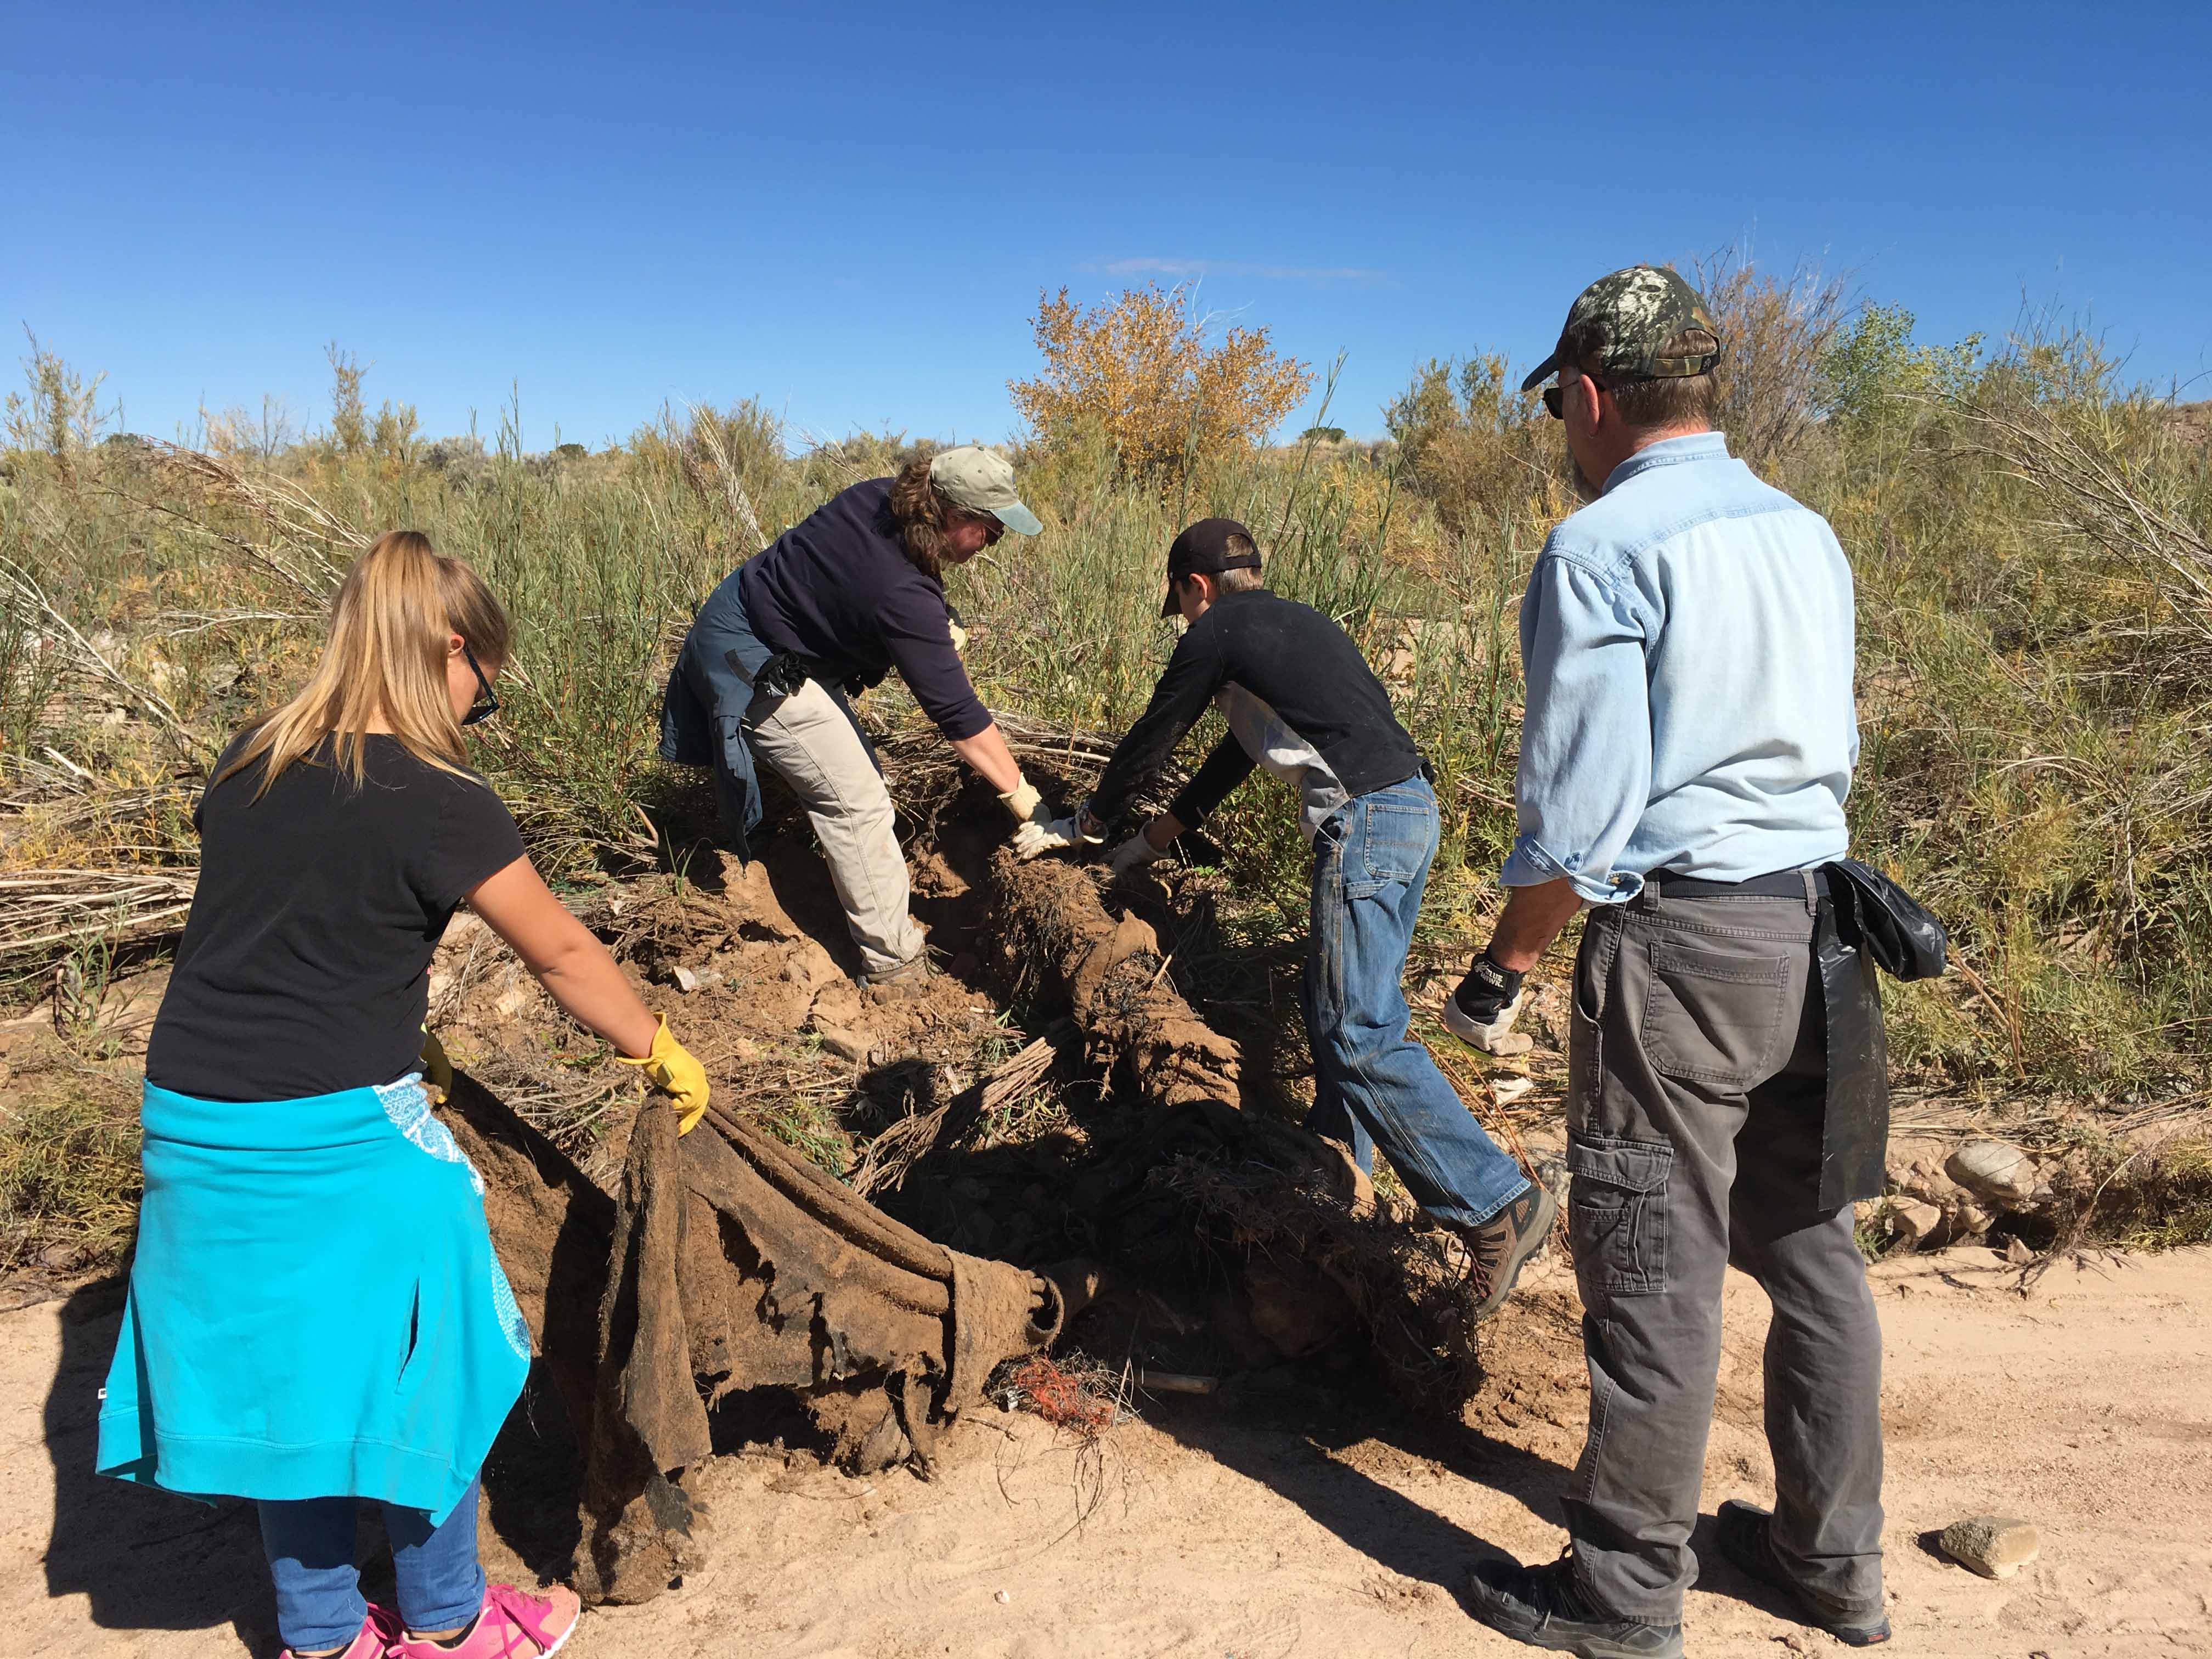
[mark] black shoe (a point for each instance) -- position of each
(1542, 1606)
(1504, 1244)
(1744, 1541)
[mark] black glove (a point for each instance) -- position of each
(1487, 990)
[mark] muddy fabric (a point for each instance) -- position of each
(738, 1265)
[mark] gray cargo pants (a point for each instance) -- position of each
(1698, 1068)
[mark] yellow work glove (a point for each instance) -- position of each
(959, 639)
(670, 1068)
(437, 1070)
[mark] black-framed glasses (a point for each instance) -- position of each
(486, 705)
(993, 526)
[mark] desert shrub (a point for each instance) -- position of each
(1778, 334)
(1141, 372)
(1482, 453)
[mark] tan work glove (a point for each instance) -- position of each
(671, 1068)
(1025, 806)
(1133, 853)
(959, 639)
(437, 1070)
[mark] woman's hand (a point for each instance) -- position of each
(565, 956)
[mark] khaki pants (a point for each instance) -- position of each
(810, 740)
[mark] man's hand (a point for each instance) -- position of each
(1135, 853)
(1056, 836)
(1482, 1010)
(1077, 829)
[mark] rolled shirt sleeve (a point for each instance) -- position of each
(1585, 770)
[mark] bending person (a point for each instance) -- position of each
(836, 603)
(1301, 701)
(316, 1315)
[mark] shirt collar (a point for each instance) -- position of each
(1668, 452)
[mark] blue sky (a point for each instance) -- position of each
(849, 211)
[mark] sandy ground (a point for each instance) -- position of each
(1262, 1529)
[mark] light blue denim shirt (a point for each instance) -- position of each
(1688, 639)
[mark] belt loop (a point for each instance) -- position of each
(1811, 892)
(1650, 894)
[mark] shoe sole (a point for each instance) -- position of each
(1508, 1623)
(1532, 1244)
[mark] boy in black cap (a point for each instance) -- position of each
(1301, 701)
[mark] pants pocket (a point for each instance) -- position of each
(1714, 1016)
(1616, 1213)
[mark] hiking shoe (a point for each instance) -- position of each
(1502, 1245)
(913, 971)
(510, 1625)
(372, 1640)
(1745, 1541)
(1545, 1607)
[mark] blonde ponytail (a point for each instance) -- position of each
(386, 657)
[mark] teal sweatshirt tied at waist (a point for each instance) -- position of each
(315, 1309)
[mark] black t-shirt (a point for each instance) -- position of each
(1294, 658)
(305, 965)
(838, 589)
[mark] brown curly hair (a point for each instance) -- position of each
(918, 508)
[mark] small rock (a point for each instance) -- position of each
(60, 1257)
(839, 1041)
(1001, 1597)
(1910, 1221)
(1507, 1090)
(2003, 1175)
(686, 980)
(743, 1050)
(1992, 1546)
(2016, 1251)
(1968, 1219)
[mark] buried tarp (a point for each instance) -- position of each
(726, 1263)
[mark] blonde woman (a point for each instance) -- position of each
(316, 1315)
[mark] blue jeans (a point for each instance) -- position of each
(319, 1602)
(1373, 1084)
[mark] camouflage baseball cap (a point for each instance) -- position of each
(1620, 325)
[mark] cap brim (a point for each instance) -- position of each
(1018, 518)
(1543, 372)
(1168, 607)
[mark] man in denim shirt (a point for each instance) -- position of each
(1688, 743)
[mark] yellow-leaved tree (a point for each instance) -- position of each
(1139, 370)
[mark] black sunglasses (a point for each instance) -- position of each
(486, 705)
(1554, 394)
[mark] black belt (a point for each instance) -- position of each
(1783, 884)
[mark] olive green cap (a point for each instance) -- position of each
(982, 481)
(1619, 327)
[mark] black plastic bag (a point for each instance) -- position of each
(1874, 914)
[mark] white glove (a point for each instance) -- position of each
(959, 639)
(1056, 836)
(1133, 853)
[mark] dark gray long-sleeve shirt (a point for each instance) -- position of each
(1300, 699)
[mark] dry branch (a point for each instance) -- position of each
(43, 911)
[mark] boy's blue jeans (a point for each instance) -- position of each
(310, 1544)
(1373, 1084)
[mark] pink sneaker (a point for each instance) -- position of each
(509, 1625)
(372, 1640)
